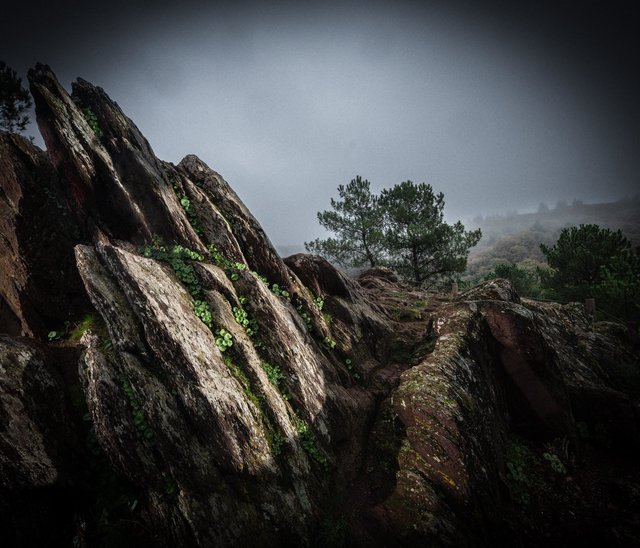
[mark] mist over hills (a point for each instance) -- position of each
(516, 237)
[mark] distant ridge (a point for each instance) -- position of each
(623, 214)
(517, 237)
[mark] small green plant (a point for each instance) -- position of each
(351, 369)
(174, 185)
(92, 120)
(203, 311)
(303, 313)
(217, 256)
(224, 340)
(192, 217)
(144, 430)
(243, 318)
(274, 373)
(232, 271)
(319, 302)
(306, 318)
(82, 327)
(555, 463)
(329, 343)
(260, 277)
(277, 290)
(276, 442)
(308, 441)
(275, 376)
(176, 257)
(328, 318)
(520, 461)
(518, 458)
(185, 252)
(230, 267)
(58, 334)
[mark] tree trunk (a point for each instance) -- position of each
(367, 252)
(414, 263)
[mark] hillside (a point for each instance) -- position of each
(516, 238)
(167, 379)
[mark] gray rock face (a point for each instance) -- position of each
(35, 425)
(168, 407)
(38, 228)
(111, 174)
(199, 424)
(38, 447)
(239, 398)
(500, 373)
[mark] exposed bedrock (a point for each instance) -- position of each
(39, 283)
(224, 396)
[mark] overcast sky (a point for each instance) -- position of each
(499, 107)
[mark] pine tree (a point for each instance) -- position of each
(421, 245)
(592, 261)
(356, 220)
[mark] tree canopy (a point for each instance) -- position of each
(356, 220)
(402, 228)
(590, 261)
(421, 245)
(14, 100)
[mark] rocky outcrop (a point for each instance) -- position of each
(37, 446)
(505, 380)
(37, 229)
(234, 397)
(174, 408)
(599, 369)
(36, 427)
(184, 420)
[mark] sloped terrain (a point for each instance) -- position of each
(516, 238)
(168, 380)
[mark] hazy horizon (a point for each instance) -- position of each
(498, 108)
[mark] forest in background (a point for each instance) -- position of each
(516, 237)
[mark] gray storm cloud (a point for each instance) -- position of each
(288, 103)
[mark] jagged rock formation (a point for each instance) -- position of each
(232, 397)
(37, 229)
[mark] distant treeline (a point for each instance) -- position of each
(516, 238)
(573, 262)
(561, 207)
